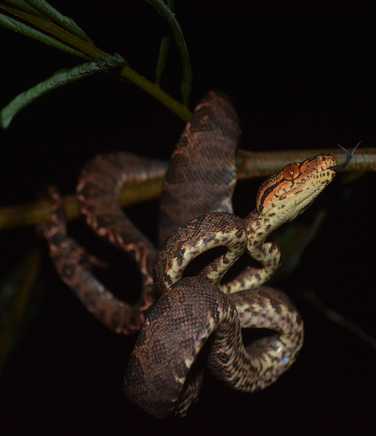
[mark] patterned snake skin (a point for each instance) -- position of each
(199, 314)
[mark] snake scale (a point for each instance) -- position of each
(185, 320)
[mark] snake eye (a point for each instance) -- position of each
(291, 172)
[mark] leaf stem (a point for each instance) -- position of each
(154, 90)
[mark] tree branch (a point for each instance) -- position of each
(260, 164)
(251, 164)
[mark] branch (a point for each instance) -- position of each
(260, 164)
(251, 164)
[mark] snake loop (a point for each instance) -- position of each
(199, 235)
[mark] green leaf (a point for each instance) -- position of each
(15, 296)
(49, 11)
(22, 4)
(293, 240)
(186, 83)
(24, 29)
(162, 58)
(82, 48)
(164, 49)
(60, 78)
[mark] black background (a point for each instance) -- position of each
(301, 75)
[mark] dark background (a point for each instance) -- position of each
(301, 75)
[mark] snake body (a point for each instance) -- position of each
(201, 313)
(98, 189)
(201, 175)
(161, 376)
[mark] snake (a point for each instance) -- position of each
(182, 320)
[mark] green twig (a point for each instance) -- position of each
(154, 90)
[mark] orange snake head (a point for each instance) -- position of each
(288, 193)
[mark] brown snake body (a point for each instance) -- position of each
(196, 215)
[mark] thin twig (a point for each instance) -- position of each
(251, 164)
(339, 319)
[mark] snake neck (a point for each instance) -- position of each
(259, 227)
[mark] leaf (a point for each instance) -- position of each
(186, 83)
(164, 48)
(22, 4)
(85, 49)
(293, 240)
(59, 79)
(26, 30)
(162, 58)
(65, 22)
(15, 296)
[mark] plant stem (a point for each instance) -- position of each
(154, 90)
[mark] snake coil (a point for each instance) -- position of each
(180, 316)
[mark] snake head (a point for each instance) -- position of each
(293, 189)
